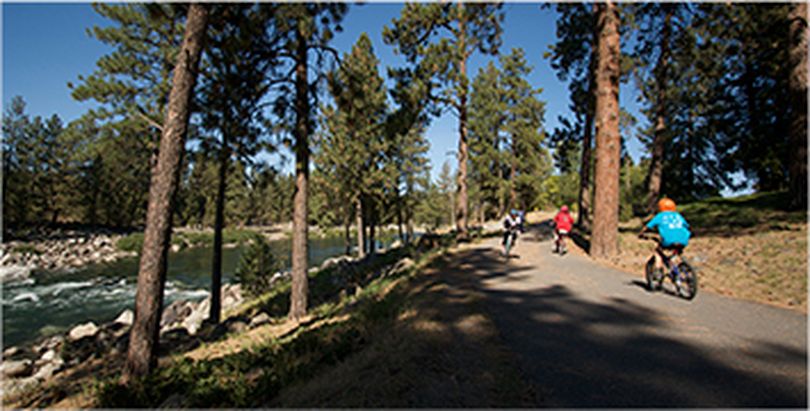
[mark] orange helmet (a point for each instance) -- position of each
(666, 204)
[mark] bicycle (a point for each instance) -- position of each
(682, 274)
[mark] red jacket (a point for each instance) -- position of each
(563, 221)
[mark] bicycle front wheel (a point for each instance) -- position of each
(688, 286)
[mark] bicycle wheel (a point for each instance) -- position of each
(653, 280)
(688, 286)
(508, 246)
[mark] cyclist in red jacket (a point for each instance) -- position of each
(563, 223)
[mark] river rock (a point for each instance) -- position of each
(198, 315)
(126, 317)
(176, 312)
(14, 273)
(85, 330)
(260, 319)
(49, 356)
(10, 352)
(13, 369)
(47, 371)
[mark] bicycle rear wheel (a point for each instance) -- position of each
(688, 286)
(653, 279)
(508, 246)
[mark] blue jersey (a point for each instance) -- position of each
(672, 227)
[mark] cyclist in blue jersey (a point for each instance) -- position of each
(671, 226)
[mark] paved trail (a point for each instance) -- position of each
(591, 336)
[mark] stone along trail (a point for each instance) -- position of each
(590, 336)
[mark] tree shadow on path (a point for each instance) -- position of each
(581, 353)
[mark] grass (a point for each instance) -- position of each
(134, 241)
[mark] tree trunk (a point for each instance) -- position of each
(347, 226)
(399, 224)
(298, 296)
(219, 217)
(798, 112)
(461, 206)
(143, 341)
(361, 230)
(659, 139)
(372, 226)
(584, 209)
(512, 175)
(604, 237)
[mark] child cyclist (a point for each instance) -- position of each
(512, 224)
(673, 229)
(563, 222)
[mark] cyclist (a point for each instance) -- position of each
(563, 222)
(512, 224)
(672, 228)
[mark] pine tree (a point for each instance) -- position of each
(574, 57)
(351, 148)
(487, 142)
(234, 83)
(523, 126)
(143, 340)
(301, 28)
(798, 107)
(604, 238)
(467, 28)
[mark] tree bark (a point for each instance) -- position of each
(372, 226)
(298, 296)
(219, 219)
(347, 238)
(143, 341)
(604, 238)
(659, 138)
(798, 113)
(461, 206)
(361, 230)
(584, 209)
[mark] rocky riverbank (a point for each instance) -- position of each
(59, 250)
(182, 324)
(32, 364)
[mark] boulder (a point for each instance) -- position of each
(47, 371)
(49, 356)
(260, 319)
(126, 317)
(14, 369)
(10, 352)
(14, 273)
(85, 330)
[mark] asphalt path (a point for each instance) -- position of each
(586, 335)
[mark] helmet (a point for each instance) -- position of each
(514, 212)
(666, 204)
(564, 209)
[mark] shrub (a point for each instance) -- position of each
(132, 242)
(256, 267)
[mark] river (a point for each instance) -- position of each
(52, 302)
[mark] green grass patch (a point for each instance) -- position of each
(134, 242)
(131, 242)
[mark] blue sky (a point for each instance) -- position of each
(46, 45)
